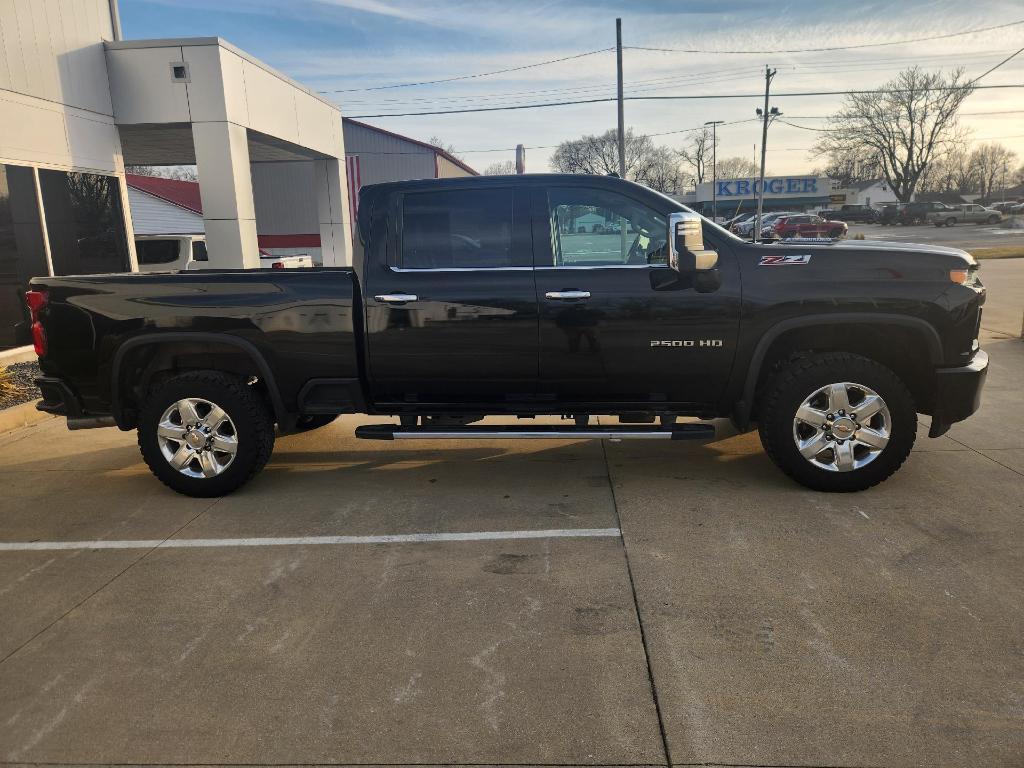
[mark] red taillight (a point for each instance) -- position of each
(277, 265)
(36, 300)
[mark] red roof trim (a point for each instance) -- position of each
(184, 194)
(436, 150)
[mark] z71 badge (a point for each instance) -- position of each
(779, 259)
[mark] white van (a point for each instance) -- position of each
(171, 253)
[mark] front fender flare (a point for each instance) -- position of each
(744, 407)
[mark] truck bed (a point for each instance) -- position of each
(301, 324)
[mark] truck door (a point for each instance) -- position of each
(451, 311)
(616, 323)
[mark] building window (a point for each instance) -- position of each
(463, 229)
(85, 222)
(22, 253)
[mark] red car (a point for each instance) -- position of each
(807, 225)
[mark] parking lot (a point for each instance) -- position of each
(537, 603)
(967, 236)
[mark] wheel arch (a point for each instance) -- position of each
(152, 350)
(910, 346)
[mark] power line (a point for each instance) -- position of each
(833, 48)
(687, 97)
(471, 77)
(997, 66)
(650, 84)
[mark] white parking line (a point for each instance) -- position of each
(280, 541)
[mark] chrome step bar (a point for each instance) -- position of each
(535, 432)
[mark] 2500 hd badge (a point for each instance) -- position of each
(524, 296)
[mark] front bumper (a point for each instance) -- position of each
(958, 393)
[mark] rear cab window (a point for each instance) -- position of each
(463, 229)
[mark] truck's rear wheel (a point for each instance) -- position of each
(205, 433)
(837, 422)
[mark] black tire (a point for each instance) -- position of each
(993, 219)
(788, 389)
(309, 423)
(248, 412)
(951, 222)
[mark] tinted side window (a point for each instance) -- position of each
(156, 251)
(465, 229)
(199, 251)
(593, 227)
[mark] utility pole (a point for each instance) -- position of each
(714, 166)
(622, 119)
(766, 117)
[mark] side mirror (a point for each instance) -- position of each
(686, 244)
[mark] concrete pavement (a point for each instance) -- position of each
(738, 620)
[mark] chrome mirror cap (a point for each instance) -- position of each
(686, 244)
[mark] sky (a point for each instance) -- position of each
(352, 50)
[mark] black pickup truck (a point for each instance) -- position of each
(522, 296)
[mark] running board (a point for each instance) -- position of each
(536, 432)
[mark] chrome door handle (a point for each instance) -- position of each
(396, 298)
(567, 295)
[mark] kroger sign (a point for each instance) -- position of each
(782, 186)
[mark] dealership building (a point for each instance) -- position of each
(78, 104)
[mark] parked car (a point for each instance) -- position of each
(440, 334)
(768, 223)
(170, 253)
(969, 213)
(730, 223)
(889, 215)
(745, 228)
(806, 225)
(917, 213)
(864, 214)
(1005, 206)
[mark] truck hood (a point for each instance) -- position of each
(882, 245)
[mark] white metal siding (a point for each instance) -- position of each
(285, 198)
(53, 50)
(153, 216)
(387, 158)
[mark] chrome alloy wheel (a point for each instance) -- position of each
(197, 437)
(842, 427)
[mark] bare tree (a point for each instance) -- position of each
(179, 172)
(952, 172)
(991, 163)
(905, 124)
(697, 154)
(1018, 176)
(848, 167)
(663, 172)
(645, 162)
(738, 168)
(500, 168)
(438, 142)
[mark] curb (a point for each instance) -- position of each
(18, 416)
(17, 355)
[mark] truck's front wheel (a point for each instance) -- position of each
(837, 422)
(205, 433)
